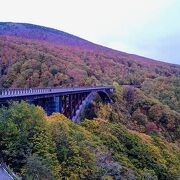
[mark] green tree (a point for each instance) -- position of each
(23, 132)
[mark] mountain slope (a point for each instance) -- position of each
(40, 33)
(56, 148)
(135, 137)
(35, 56)
(30, 31)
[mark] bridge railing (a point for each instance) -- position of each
(29, 91)
(6, 92)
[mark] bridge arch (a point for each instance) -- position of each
(104, 96)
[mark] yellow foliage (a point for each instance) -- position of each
(104, 111)
(157, 154)
(57, 117)
(100, 121)
(74, 177)
(143, 136)
(107, 178)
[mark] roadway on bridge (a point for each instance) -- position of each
(5, 93)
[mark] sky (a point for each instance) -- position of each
(149, 28)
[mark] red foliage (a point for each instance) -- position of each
(151, 127)
(55, 58)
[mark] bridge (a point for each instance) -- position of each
(68, 101)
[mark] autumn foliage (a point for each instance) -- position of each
(137, 136)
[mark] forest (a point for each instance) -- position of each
(30, 63)
(137, 136)
(102, 146)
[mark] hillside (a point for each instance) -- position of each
(34, 32)
(137, 136)
(53, 36)
(33, 53)
(53, 147)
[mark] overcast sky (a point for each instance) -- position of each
(149, 28)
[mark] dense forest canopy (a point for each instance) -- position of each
(135, 137)
(35, 56)
(53, 147)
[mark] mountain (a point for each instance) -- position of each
(34, 32)
(36, 56)
(135, 137)
(40, 33)
(30, 53)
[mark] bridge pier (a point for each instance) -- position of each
(70, 99)
(50, 105)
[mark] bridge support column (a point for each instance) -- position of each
(70, 106)
(64, 104)
(50, 105)
(53, 105)
(74, 104)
